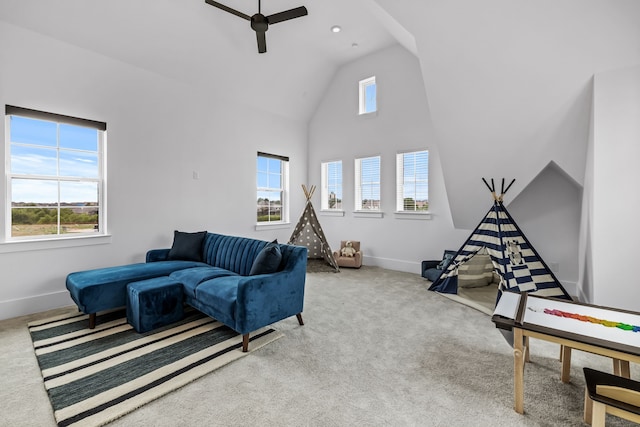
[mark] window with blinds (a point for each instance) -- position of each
(412, 172)
(367, 183)
(55, 175)
(272, 188)
(331, 190)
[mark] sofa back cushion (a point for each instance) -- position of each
(231, 252)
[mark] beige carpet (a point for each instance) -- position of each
(377, 349)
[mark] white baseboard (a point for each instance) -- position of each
(34, 304)
(393, 264)
(572, 289)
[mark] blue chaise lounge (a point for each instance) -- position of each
(244, 283)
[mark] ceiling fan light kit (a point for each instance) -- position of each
(259, 22)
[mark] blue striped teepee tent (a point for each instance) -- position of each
(515, 261)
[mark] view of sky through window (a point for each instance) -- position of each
(55, 176)
(269, 188)
(47, 150)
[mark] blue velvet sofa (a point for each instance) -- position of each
(244, 283)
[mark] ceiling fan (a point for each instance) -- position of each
(259, 22)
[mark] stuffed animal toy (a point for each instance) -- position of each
(348, 250)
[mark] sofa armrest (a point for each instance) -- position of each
(430, 264)
(157, 255)
(267, 298)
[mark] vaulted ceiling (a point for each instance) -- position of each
(193, 42)
(509, 82)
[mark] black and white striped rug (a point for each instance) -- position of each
(94, 376)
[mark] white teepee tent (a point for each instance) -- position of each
(309, 233)
(517, 263)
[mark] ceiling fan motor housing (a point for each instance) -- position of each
(259, 23)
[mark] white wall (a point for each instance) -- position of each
(159, 132)
(548, 213)
(615, 199)
(509, 84)
(337, 132)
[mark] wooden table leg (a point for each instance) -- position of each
(621, 368)
(565, 371)
(518, 369)
(588, 407)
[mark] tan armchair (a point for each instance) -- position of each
(354, 261)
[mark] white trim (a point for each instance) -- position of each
(34, 304)
(393, 264)
(53, 243)
(273, 226)
(362, 98)
(100, 180)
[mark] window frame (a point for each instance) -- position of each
(58, 178)
(358, 184)
(400, 183)
(283, 189)
(327, 188)
(362, 95)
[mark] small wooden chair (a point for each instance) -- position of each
(610, 394)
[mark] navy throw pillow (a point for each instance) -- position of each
(187, 246)
(268, 260)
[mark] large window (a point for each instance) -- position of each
(368, 96)
(367, 175)
(272, 183)
(55, 175)
(412, 173)
(331, 186)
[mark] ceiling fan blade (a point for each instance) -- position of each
(227, 9)
(262, 41)
(286, 15)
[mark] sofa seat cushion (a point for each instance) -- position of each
(104, 288)
(193, 277)
(221, 295)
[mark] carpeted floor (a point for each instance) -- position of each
(377, 349)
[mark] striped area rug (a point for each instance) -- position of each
(94, 376)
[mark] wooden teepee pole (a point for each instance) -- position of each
(308, 191)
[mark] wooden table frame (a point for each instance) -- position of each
(621, 354)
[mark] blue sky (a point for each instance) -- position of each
(269, 176)
(49, 149)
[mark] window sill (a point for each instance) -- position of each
(420, 216)
(53, 243)
(331, 212)
(368, 115)
(368, 214)
(272, 226)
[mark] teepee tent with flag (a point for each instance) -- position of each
(309, 233)
(516, 262)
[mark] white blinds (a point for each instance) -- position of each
(412, 177)
(367, 185)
